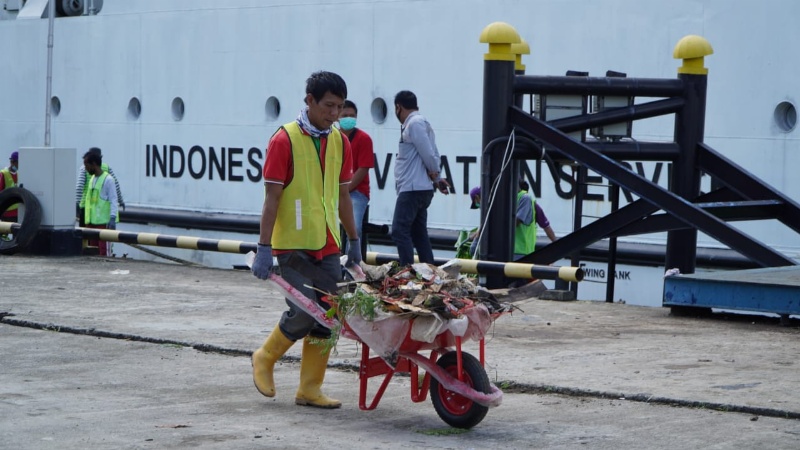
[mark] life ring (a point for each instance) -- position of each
(31, 220)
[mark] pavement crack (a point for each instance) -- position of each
(507, 386)
(512, 387)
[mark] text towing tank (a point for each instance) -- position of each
(183, 95)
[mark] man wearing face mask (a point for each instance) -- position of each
(307, 170)
(8, 179)
(416, 174)
(363, 160)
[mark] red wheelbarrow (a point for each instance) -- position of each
(459, 387)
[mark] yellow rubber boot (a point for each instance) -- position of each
(312, 372)
(263, 361)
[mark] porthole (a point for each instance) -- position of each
(55, 106)
(134, 108)
(378, 110)
(177, 109)
(272, 108)
(785, 116)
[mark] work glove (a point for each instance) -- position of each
(122, 205)
(112, 224)
(262, 265)
(354, 252)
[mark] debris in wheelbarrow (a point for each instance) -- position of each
(438, 298)
(399, 312)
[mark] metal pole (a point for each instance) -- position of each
(612, 246)
(498, 96)
(689, 131)
(51, 15)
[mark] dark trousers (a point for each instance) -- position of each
(410, 226)
(295, 323)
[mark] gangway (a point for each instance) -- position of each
(682, 210)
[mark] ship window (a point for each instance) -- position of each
(272, 108)
(177, 109)
(378, 109)
(134, 108)
(785, 116)
(55, 106)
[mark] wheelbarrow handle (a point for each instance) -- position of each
(311, 307)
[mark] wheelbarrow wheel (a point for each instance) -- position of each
(455, 409)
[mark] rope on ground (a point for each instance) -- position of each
(163, 255)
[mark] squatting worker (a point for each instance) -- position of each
(307, 170)
(528, 215)
(99, 200)
(8, 180)
(416, 174)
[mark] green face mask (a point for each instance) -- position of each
(347, 123)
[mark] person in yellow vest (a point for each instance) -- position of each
(83, 178)
(8, 179)
(99, 200)
(307, 170)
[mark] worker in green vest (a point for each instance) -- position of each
(8, 179)
(83, 178)
(99, 200)
(528, 216)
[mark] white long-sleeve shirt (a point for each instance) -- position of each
(83, 178)
(417, 155)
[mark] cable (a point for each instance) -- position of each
(510, 144)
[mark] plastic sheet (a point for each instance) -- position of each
(384, 335)
(479, 322)
(426, 328)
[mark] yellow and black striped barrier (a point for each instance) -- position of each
(165, 240)
(508, 269)
(9, 227)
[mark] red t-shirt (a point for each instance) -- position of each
(363, 156)
(278, 168)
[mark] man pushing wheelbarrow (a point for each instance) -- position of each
(306, 163)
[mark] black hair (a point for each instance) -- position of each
(523, 185)
(96, 150)
(350, 104)
(321, 82)
(406, 99)
(93, 157)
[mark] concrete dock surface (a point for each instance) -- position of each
(122, 354)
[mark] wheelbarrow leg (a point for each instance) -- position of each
(372, 367)
(459, 359)
(420, 393)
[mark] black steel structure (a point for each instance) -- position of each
(681, 211)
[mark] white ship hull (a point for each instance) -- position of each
(232, 62)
